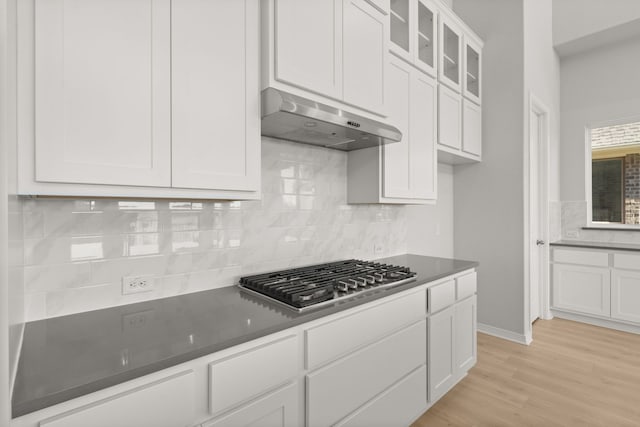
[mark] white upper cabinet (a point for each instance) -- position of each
(406, 171)
(414, 32)
(308, 45)
(449, 118)
(472, 69)
(450, 51)
(471, 128)
(365, 54)
(129, 98)
(216, 116)
(333, 51)
(102, 99)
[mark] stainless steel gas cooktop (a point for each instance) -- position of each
(316, 285)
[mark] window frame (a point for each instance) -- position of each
(588, 171)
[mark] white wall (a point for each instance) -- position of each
(596, 86)
(430, 227)
(574, 19)
(488, 197)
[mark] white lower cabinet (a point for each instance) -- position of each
(600, 286)
(398, 406)
(391, 361)
(277, 409)
(441, 363)
(165, 403)
(625, 295)
(335, 390)
(581, 288)
(465, 334)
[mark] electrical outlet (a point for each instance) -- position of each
(378, 248)
(136, 284)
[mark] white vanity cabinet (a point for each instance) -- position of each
(127, 99)
(600, 286)
(332, 51)
(403, 172)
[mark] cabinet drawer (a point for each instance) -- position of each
(628, 261)
(338, 389)
(165, 403)
(338, 337)
(277, 409)
(442, 296)
(466, 286)
(594, 258)
(401, 404)
(264, 368)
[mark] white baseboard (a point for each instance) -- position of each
(604, 323)
(504, 334)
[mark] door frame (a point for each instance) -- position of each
(534, 210)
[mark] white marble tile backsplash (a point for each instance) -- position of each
(77, 251)
(574, 218)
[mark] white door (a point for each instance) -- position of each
(538, 212)
(102, 99)
(365, 35)
(215, 94)
(308, 45)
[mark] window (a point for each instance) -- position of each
(615, 174)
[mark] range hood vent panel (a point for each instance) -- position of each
(290, 117)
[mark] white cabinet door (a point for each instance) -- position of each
(472, 128)
(309, 50)
(441, 363)
(449, 118)
(102, 99)
(215, 94)
(396, 159)
(365, 35)
(277, 409)
(472, 76)
(410, 166)
(450, 44)
(426, 35)
(582, 289)
(423, 157)
(465, 336)
(625, 295)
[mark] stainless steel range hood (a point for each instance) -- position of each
(298, 119)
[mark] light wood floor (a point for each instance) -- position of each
(573, 374)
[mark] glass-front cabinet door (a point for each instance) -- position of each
(425, 52)
(473, 70)
(450, 53)
(401, 28)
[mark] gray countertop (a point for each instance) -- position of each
(597, 245)
(66, 357)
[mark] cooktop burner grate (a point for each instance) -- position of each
(308, 287)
